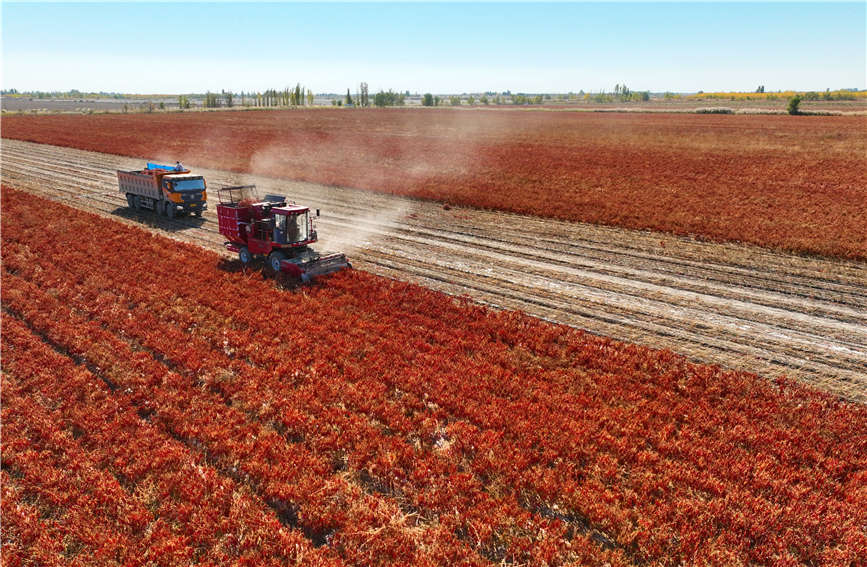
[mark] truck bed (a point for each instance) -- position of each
(138, 183)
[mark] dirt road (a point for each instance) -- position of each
(739, 306)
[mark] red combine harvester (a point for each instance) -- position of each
(276, 229)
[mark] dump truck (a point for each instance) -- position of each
(276, 229)
(170, 190)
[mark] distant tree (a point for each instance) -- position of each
(309, 97)
(437, 101)
(471, 100)
(427, 100)
(760, 89)
(389, 98)
(211, 100)
(484, 99)
(498, 100)
(455, 100)
(364, 97)
(183, 102)
(230, 98)
(298, 98)
(794, 103)
(348, 98)
(537, 99)
(162, 106)
(622, 92)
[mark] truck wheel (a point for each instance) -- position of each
(198, 213)
(130, 201)
(275, 259)
(170, 210)
(136, 202)
(244, 255)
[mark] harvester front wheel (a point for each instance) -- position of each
(244, 255)
(275, 259)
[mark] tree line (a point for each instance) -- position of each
(297, 96)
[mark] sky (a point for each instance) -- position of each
(449, 47)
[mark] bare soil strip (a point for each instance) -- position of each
(743, 307)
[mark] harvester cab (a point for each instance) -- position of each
(275, 228)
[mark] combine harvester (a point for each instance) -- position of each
(276, 229)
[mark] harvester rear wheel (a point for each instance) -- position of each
(244, 255)
(274, 260)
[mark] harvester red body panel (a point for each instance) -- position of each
(276, 229)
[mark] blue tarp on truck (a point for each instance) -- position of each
(166, 167)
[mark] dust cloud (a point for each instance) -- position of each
(403, 154)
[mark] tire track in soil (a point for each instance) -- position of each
(743, 307)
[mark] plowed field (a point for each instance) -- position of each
(791, 182)
(162, 407)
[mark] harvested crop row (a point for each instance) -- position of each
(765, 312)
(27, 535)
(296, 483)
(282, 399)
(626, 438)
(211, 518)
(88, 507)
(795, 183)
